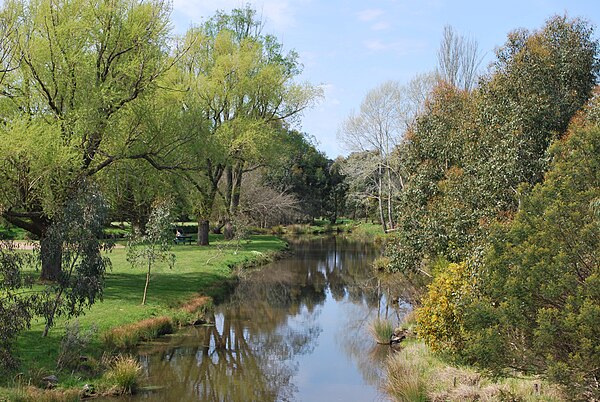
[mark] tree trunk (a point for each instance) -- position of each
(51, 255)
(228, 230)
(389, 199)
(380, 200)
(203, 228)
(237, 189)
(147, 282)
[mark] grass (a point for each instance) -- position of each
(206, 271)
(126, 337)
(13, 233)
(416, 374)
(381, 330)
(405, 375)
(123, 375)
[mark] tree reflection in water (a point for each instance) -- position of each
(272, 318)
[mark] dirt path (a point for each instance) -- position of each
(31, 244)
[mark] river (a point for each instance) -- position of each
(295, 330)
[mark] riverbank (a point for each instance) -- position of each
(414, 373)
(199, 271)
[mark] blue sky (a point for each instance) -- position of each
(349, 47)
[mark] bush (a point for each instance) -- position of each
(73, 345)
(381, 264)
(439, 320)
(123, 374)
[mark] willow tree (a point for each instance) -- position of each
(76, 69)
(242, 83)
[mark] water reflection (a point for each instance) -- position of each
(294, 330)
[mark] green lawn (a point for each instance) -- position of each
(198, 270)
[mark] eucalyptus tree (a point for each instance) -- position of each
(469, 153)
(242, 83)
(77, 71)
(146, 249)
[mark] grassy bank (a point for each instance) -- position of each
(198, 271)
(416, 374)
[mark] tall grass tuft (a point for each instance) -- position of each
(193, 312)
(33, 394)
(404, 375)
(298, 229)
(123, 375)
(127, 337)
(381, 330)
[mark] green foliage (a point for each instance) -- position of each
(306, 173)
(17, 303)
(242, 85)
(74, 240)
(73, 345)
(439, 319)
(468, 153)
(123, 374)
(146, 249)
(69, 102)
(541, 274)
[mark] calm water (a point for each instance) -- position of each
(295, 330)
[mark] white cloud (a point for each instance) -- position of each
(369, 14)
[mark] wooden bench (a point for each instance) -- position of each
(183, 239)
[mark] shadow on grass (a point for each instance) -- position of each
(165, 288)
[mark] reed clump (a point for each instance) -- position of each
(123, 375)
(126, 337)
(382, 330)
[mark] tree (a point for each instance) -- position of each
(433, 208)
(378, 128)
(68, 105)
(303, 171)
(521, 294)
(467, 155)
(145, 249)
(241, 82)
(77, 228)
(17, 301)
(361, 172)
(264, 205)
(458, 60)
(539, 282)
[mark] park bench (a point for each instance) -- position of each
(182, 239)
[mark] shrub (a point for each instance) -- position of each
(381, 264)
(73, 345)
(439, 320)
